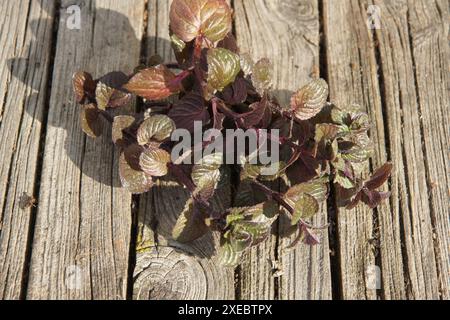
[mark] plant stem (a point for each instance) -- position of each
(275, 196)
(278, 197)
(220, 105)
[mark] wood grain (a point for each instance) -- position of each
(82, 236)
(410, 200)
(402, 238)
(286, 32)
(429, 32)
(83, 220)
(352, 76)
(25, 42)
(174, 270)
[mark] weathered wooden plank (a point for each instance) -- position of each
(399, 101)
(173, 270)
(82, 235)
(410, 200)
(352, 76)
(352, 66)
(429, 30)
(25, 46)
(287, 32)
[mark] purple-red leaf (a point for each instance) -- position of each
(379, 177)
(153, 162)
(155, 83)
(309, 237)
(218, 118)
(188, 110)
(108, 92)
(120, 124)
(132, 178)
(304, 169)
(192, 18)
(90, 121)
(310, 99)
(236, 92)
(229, 43)
(83, 86)
(256, 115)
(374, 198)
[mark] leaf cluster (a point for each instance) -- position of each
(215, 84)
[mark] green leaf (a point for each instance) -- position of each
(190, 224)
(223, 67)
(360, 122)
(248, 226)
(317, 188)
(227, 256)
(120, 124)
(305, 207)
(353, 118)
(235, 214)
(310, 99)
(177, 44)
(90, 121)
(206, 166)
(355, 153)
(256, 220)
(343, 181)
(327, 145)
(192, 18)
(246, 63)
(265, 212)
(262, 75)
(136, 181)
(206, 184)
(206, 175)
(250, 171)
(326, 131)
(241, 240)
(154, 162)
(155, 83)
(156, 128)
(338, 116)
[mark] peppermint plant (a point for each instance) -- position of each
(214, 85)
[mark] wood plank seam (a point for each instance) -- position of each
(333, 235)
(429, 26)
(23, 104)
(40, 158)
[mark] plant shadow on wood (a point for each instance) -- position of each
(158, 214)
(169, 200)
(73, 144)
